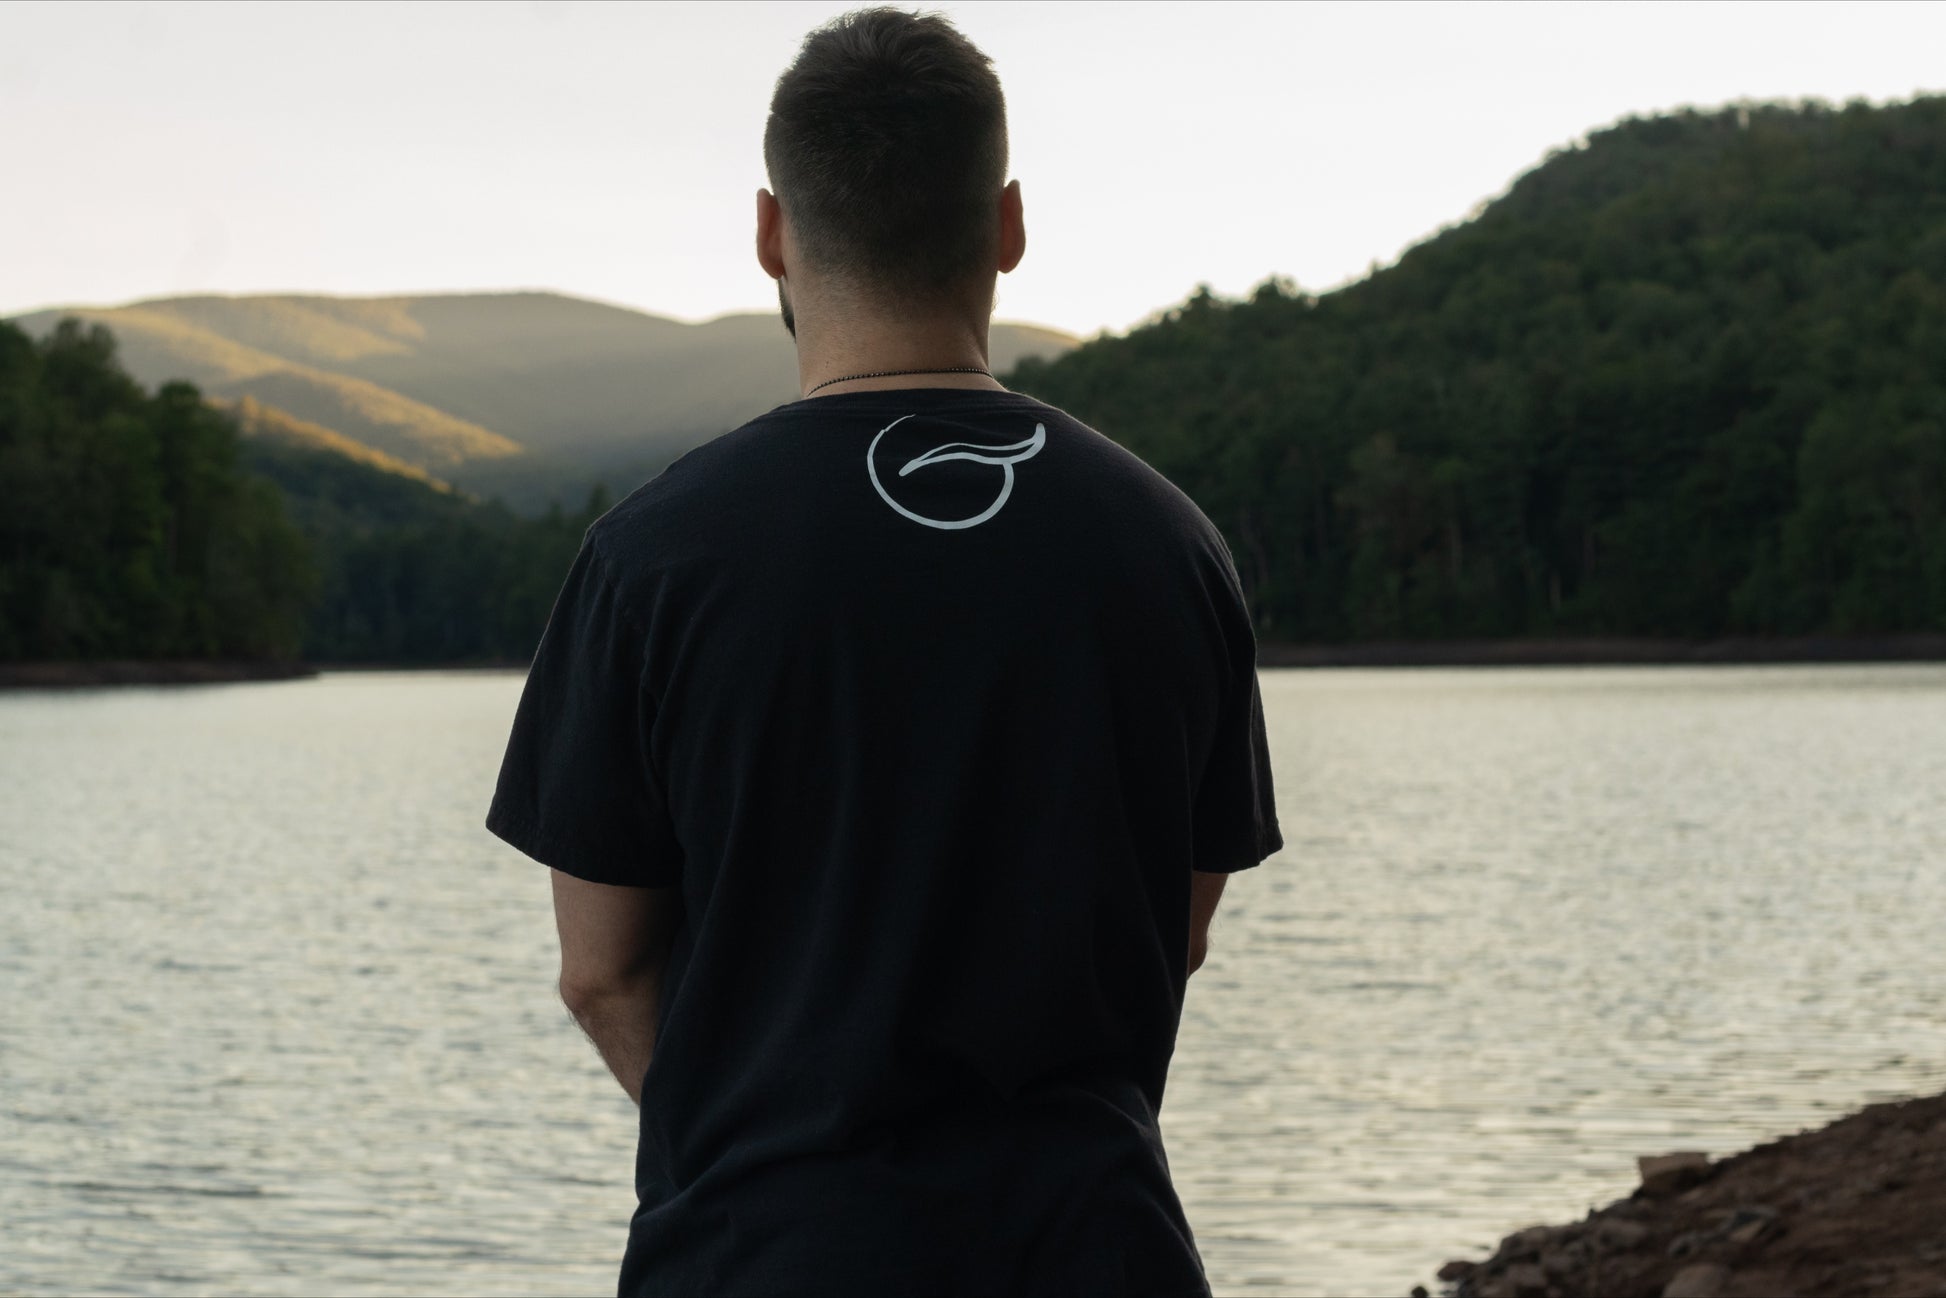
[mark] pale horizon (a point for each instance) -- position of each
(611, 152)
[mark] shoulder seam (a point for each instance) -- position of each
(605, 573)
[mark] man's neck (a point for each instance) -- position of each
(869, 351)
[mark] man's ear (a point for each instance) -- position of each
(770, 234)
(1013, 228)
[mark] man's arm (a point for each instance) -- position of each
(1205, 890)
(614, 948)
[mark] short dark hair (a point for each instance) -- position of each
(887, 147)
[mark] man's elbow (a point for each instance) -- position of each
(1198, 952)
(586, 995)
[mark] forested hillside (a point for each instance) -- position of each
(144, 526)
(529, 397)
(412, 572)
(128, 529)
(1688, 379)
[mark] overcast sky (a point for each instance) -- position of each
(612, 150)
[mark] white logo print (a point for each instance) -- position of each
(1004, 456)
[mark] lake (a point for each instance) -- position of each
(279, 1016)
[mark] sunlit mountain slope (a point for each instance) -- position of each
(461, 385)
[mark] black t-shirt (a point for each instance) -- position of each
(928, 702)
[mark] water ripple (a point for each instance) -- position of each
(284, 1021)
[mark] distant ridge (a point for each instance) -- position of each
(164, 340)
(267, 423)
(480, 388)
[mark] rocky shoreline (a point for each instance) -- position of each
(90, 675)
(1854, 1208)
(1615, 651)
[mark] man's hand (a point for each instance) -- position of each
(1205, 890)
(614, 947)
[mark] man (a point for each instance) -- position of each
(889, 753)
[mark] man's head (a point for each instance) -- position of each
(887, 151)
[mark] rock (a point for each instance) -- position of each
(1456, 1270)
(1615, 1233)
(1527, 1280)
(1704, 1280)
(1751, 1223)
(1688, 1242)
(1419, 1291)
(1649, 1165)
(1527, 1243)
(1666, 1174)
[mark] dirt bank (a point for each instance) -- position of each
(83, 675)
(1855, 1208)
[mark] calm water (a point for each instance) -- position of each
(277, 1016)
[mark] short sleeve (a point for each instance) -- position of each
(577, 790)
(1234, 820)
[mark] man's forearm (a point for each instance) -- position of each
(620, 1020)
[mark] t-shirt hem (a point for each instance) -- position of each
(1270, 841)
(531, 840)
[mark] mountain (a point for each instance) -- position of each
(487, 391)
(355, 419)
(1685, 379)
(267, 427)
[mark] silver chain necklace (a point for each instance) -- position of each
(895, 374)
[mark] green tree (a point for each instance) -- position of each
(1680, 381)
(127, 527)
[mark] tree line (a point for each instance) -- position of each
(411, 573)
(143, 526)
(1687, 379)
(128, 529)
